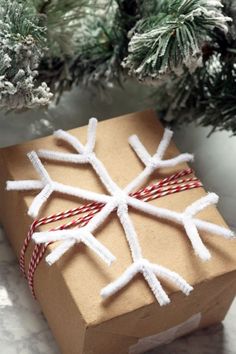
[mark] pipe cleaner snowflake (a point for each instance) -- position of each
(119, 200)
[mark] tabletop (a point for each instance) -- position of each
(23, 329)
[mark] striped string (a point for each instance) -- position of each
(166, 186)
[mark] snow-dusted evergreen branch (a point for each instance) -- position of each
(22, 43)
(172, 39)
(48, 46)
(120, 201)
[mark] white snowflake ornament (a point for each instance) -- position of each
(120, 200)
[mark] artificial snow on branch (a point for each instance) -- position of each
(47, 47)
(22, 39)
(119, 200)
(164, 42)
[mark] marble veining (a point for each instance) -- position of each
(23, 329)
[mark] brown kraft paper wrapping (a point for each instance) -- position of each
(69, 291)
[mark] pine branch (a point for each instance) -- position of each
(172, 39)
(61, 19)
(41, 5)
(22, 40)
(207, 97)
(60, 43)
(100, 46)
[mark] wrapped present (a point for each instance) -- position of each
(119, 242)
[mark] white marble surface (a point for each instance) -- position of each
(23, 329)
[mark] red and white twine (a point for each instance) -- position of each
(169, 185)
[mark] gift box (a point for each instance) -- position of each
(95, 297)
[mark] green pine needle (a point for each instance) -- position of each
(185, 47)
(173, 38)
(22, 40)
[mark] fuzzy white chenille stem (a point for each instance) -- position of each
(120, 201)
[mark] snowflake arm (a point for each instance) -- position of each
(91, 136)
(46, 185)
(149, 271)
(24, 185)
(130, 232)
(84, 152)
(61, 156)
(84, 234)
(174, 216)
(189, 223)
(71, 140)
(140, 150)
(49, 186)
(154, 162)
(68, 239)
